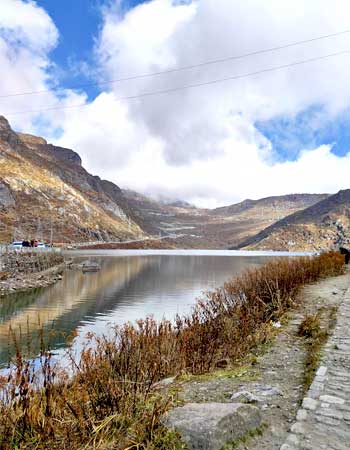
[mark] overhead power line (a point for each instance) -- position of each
(190, 86)
(183, 68)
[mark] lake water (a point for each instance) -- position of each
(130, 285)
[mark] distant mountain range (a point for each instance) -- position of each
(45, 191)
(279, 204)
(322, 225)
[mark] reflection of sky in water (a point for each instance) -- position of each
(126, 289)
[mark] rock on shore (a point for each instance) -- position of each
(15, 263)
(25, 281)
(210, 426)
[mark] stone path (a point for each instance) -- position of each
(323, 422)
(280, 364)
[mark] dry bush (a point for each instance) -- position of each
(310, 327)
(110, 402)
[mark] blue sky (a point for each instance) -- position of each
(307, 130)
(78, 22)
(288, 129)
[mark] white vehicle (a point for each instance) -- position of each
(16, 244)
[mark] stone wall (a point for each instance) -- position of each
(14, 264)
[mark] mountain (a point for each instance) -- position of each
(235, 223)
(320, 226)
(221, 227)
(275, 207)
(44, 187)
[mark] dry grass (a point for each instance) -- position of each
(110, 401)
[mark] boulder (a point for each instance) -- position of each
(209, 426)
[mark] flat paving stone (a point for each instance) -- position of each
(327, 422)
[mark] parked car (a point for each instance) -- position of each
(16, 244)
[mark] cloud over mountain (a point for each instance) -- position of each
(201, 144)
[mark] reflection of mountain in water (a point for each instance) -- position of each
(126, 288)
(63, 306)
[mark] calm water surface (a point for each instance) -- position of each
(131, 285)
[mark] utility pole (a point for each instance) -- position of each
(39, 231)
(51, 233)
(51, 229)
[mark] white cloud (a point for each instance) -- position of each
(200, 144)
(27, 35)
(28, 25)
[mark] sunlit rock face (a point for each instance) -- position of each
(44, 189)
(7, 135)
(6, 198)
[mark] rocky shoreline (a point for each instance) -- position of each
(28, 281)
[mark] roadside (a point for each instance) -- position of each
(272, 377)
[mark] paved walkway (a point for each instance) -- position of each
(323, 422)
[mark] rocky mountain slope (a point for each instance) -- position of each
(321, 226)
(218, 228)
(45, 191)
(44, 188)
(275, 207)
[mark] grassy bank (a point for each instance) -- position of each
(111, 401)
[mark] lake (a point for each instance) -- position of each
(131, 285)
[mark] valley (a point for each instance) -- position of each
(46, 192)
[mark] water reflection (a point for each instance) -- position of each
(127, 288)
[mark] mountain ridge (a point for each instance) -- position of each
(37, 177)
(323, 225)
(271, 201)
(44, 187)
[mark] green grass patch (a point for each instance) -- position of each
(245, 439)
